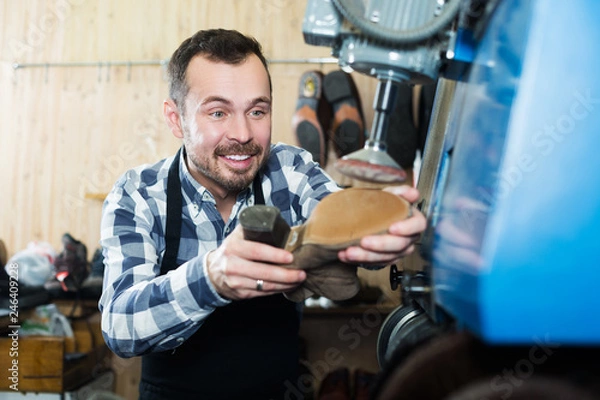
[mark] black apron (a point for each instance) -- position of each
(245, 350)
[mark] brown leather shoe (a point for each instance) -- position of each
(335, 385)
(348, 126)
(339, 221)
(312, 117)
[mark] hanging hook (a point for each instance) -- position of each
(14, 75)
(164, 65)
(99, 71)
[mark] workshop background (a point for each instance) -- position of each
(82, 85)
(69, 131)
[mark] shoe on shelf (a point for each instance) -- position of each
(71, 267)
(312, 117)
(348, 125)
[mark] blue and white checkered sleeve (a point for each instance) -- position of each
(295, 174)
(143, 312)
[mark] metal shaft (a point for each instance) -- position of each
(383, 104)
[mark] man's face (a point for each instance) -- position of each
(226, 123)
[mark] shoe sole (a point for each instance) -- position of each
(310, 139)
(309, 136)
(348, 136)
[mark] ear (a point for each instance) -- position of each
(172, 117)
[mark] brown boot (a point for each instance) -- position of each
(312, 117)
(339, 221)
(348, 125)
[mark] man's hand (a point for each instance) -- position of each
(398, 242)
(235, 267)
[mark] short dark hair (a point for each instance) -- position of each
(223, 45)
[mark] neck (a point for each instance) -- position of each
(224, 206)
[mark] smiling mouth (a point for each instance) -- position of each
(237, 157)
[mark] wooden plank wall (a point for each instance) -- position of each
(67, 133)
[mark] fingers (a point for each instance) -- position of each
(246, 288)
(410, 226)
(397, 243)
(388, 249)
(237, 265)
(409, 193)
(256, 251)
(247, 279)
(251, 271)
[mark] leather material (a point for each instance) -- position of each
(340, 220)
(348, 125)
(71, 267)
(312, 118)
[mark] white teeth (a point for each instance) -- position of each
(238, 157)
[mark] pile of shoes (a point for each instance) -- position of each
(73, 275)
(328, 110)
(340, 385)
(39, 274)
(71, 267)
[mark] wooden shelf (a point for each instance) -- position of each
(55, 364)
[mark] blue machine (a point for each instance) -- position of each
(516, 250)
(511, 256)
(511, 197)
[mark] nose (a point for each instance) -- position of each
(240, 130)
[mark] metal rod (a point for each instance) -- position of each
(89, 64)
(321, 60)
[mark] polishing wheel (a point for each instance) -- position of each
(373, 163)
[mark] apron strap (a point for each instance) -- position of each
(174, 209)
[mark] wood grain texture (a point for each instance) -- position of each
(67, 133)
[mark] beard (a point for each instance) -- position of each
(232, 180)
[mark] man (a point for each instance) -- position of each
(182, 287)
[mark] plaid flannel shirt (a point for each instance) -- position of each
(143, 312)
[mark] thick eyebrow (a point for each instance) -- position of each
(258, 100)
(215, 99)
(219, 99)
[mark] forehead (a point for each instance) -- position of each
(241, 82)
